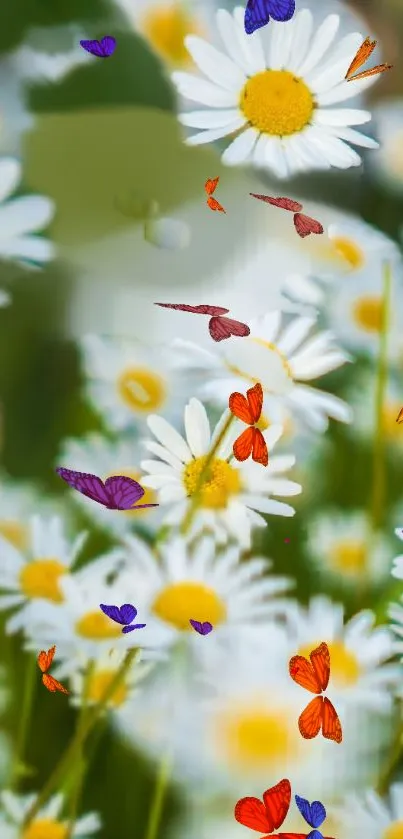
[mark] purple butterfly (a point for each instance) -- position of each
(259, 12)
(117, 493)
(102, 49)
(123, 615)
(200, 627)
(314, 814)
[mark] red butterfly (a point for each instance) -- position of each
(219, 327)
(361, 56)
(270, 815)
(249, 409)
(210, 187)
(314, 676)
(304, 225)
(45, 660)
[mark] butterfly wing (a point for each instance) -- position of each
(127, 629)
(211, 185)
(52, 684)
(45, 659)
(374, 71)
(400, 416)
(240, 406)
(215, 205)
(221, 328)
(331, 725)
(320, 659)
(198, 310)
(310, 721)
(259, 12)
(123, 491)
(94, 47)
(89, 485)
(283, 203)
(260, 453)
(277, 802)
(314, 814)
(128, 612)
(252, 813)
(243, 446)
(363, 53)
(255, 399)
(108, 45)
(305, 225)
(114, 613)
(303, 673)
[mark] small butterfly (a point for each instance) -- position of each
(362, 55)
(202, 628)
(117, 493)
(210, 187)
(268, 815)
(220, 328)
(314, 676)
(259, 12)
(400, 416)
(314, 814)
(283, 203)
(102, 49)
(123, 615)
(44, 661)
(249, 409)
(304, 225)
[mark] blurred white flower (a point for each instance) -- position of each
(21, 218)
(236, 494)
(18, 502)
(387, 165)
(167, 233)
(370, 816)
(5, 298)
(97, 680)
(48, 822)
(343, 547)
(361, 395)
(281, 359)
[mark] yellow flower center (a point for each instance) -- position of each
(390, 427)
(41, 579)
(99, 684)
(149, 496)
(276, 102)
(344, 667)
(179, 602)
(141, 389)
(367, 313)
(221, 482)
(15, 533)
(256, 736)
(393, 831)
(166, 27)
(45, 829)
(349, 557)
(350, 251)
(96, 626)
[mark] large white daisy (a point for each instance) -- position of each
(21, 218)
(48, 823)
(370, 816)
(235, 495)
(282, 360)
(272, 90)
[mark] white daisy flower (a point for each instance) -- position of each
(370, 816)
(48, 823)
(358, 652)
(127, 381)
(35, 574)
(105, 458)
(232, 500)
(281, 360)
(387, 165)
(343, 547)
(18, 502)
(362, 398)
(283, 65)
(21, 218)
(178, 583)
(105, 669)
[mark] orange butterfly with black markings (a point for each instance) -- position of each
(248, 409)
(44, 661)
(366, 49)
(314, 676)
(210, 186)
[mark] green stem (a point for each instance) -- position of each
(188, 519)
(392, 763)
(161, 785)
(28, 696)
(82, 766)
(79, 738)
(378, 477)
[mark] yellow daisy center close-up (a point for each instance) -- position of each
(166, 28)
(45, 829)
(345, 669)
(100, 682)
(179, 602)
(141, 390)
(15, 533)
(349, 556)
(393, 831)
(276, 102)
(221, 482)
(256, 736)
(149, 496)
(368, 312)
(41, 579)
(96, 626)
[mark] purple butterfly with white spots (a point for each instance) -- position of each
(259, 12)
(123, 615)
(102, 49)
(117, 493)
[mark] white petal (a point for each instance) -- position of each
(309, 146)
(333, 72)
(158, 481)
(208, 119)
(169, 437)
(214, 64)
(199, 90)
(197, 428)
(337, 152)
(275, 157)
(345, 90)
(10, 174)
(155, 467)
(269, 506)
(246, 55)
(355, 137)
(241, 148)
(281, 37)
(324, 36)
(294, 334)
(280, 486)
(164, 454)
(215, 133)
(298, 155)
(301, 38)
(25, 215)
(341, 116)
(31, 248)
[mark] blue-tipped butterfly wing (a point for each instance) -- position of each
(259, 12)
(314, 814)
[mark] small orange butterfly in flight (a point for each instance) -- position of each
(362, 55)
(249, 409)
(399, 419)
(210, 187)
(314, 676)
(45, 660)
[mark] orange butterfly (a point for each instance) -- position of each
(210, 187)
(44, 661)
(364, 52)
(314, 676)
(400, 416)
(251, 441)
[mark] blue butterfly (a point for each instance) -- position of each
(259, 12)
(124, 615)
(314, 814)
